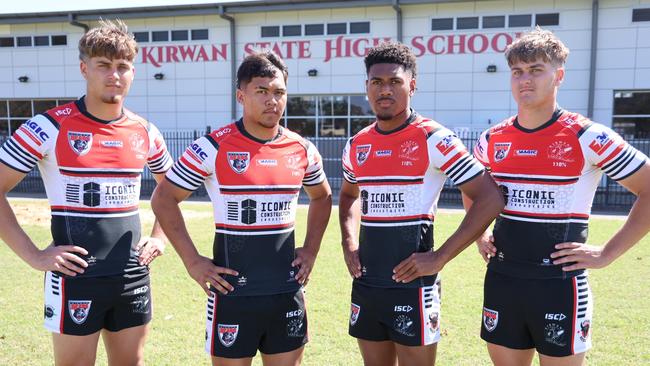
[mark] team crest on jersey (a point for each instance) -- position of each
(79, 310)
(584, 330)
(490, 319)
(80, 142)
(501, 150)
(228, 333)
(362, 153)
(239, 161)
(561, 150)
(354, 313)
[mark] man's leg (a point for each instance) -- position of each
(417, 356)
(291, 358)
(126, 347)
(71, 350)
(378, 353)
(574, 360)
(504, 356)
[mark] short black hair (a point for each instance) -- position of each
(392, 53)
(264, 64)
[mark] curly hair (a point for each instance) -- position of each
(392, 53)
(261, 64)
(110, 39)
(537, 44)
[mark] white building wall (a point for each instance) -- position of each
(452, 88)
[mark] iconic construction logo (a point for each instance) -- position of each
(248, 211)
(92, 195)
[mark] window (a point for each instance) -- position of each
(13, 113)
(60, 40)
(442, 24)
(180, 35)
(141, 36)
(641, 15)
(41, 40)
(519, 20)
(199, 34)
(291, 30)
(337, 28)
(328, 115)
(24, 41)
(547, 19)
(497, 21)
(314, 29)
(467, 23)
(359, 27)
(6, 41)
(160, 36)
(269, 31)
(631, 116)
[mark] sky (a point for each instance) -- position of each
(40, 6)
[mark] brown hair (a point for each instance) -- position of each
(110, 39)
(261, 64)
(537, 44)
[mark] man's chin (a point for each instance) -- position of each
(385, 116)
(112, 99)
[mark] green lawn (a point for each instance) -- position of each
(622, 296)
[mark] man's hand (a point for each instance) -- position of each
(351, 256)
(417, 265)
(149, 248)
(485, 245)
(305, 261)
(205, 273)
(582, 256)
(62, 259)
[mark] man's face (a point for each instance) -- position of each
(106, 79)
(264, 100)
(534, 84)
(389, 88)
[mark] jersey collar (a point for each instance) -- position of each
(240, 127)
(412, 117)
(556, 115)
(81, 105)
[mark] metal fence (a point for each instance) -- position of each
(610, 196)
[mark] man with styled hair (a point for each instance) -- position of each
(548, 163)
(394, 171)
(253, 170)
(91, 154)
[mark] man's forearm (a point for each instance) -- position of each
(317, 219)
(13, 235)
(348, 219)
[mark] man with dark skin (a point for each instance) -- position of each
(394, 171)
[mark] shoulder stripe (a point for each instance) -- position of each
(52, 120)
(13, 167)
(212, 141)
(584, 128)
(631, 172)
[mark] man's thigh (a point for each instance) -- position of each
(74, 350)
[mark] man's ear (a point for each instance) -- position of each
(240, 97)
(83, 68)
(559, 76)
(412, 87)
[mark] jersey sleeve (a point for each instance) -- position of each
(195, 165)
(29, 144)
(607, 150)
(159, 160)
(447, 153)
(314, 175)
(348, 170)
(481, 148)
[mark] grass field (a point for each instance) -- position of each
(621, 329)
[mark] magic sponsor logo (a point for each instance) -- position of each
(383, 153)
(526, 152)
(36, 130)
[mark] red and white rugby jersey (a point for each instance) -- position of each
(91, 172)
(400, 175)
(254, 186)
(548, 177)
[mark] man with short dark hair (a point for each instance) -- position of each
(548, 163)
(253, 170)
(91, 154)
(394, 171)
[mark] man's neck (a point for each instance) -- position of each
(532, 118)
(395, 122)
(103, 111)
(260, 132)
